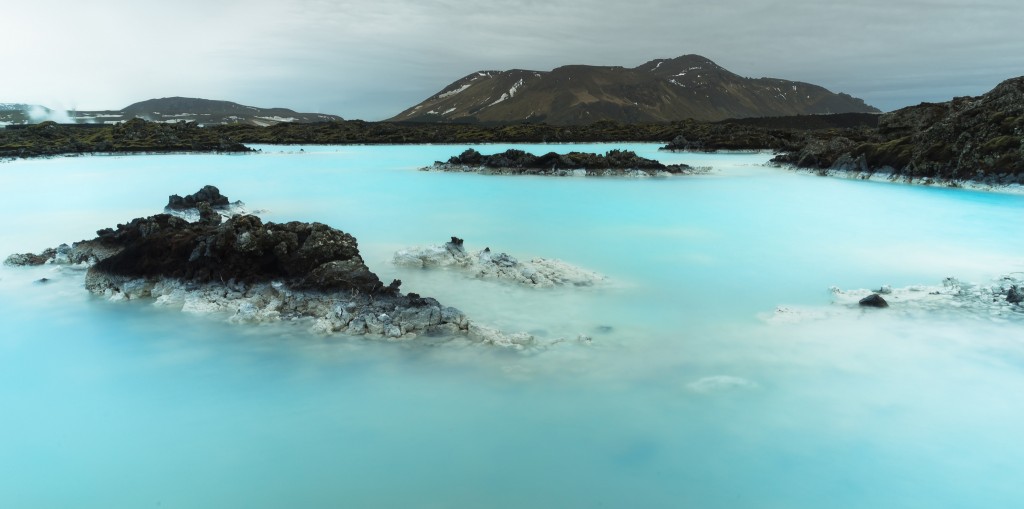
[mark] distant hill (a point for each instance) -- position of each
(206, 111)
(168, 109)
(663, 90)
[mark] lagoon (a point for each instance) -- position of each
(690, 394)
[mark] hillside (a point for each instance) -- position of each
(967, 138)
(664, 90)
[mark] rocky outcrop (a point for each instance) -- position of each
(83, 252)
(255, 271)
(207, 194)
(968, 139)
(486, 264)
(518, 162)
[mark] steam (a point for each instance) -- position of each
(40, 114)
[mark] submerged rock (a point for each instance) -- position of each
(485, 264)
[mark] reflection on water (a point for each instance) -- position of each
(684, 398)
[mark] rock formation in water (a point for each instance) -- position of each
(979, 139)
(1001, 299)
(873, 301)
(517, 162)
(486, 264)
(258, 271)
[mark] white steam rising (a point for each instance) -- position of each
(40, 114)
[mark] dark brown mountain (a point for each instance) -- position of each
(690, 86)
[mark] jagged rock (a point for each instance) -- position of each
(80, 252)
(206, 205)
(874, 300)
(208, 194)
(27, 259)
(485, 264)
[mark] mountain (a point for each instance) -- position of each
(662, 90)
(168, 109)
(208, 112)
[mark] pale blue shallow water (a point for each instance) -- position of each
(127, 405)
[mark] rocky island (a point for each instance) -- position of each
(256, 271)
(615, 163)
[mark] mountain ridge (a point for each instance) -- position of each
(660, 90)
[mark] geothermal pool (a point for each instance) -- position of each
(693, 392)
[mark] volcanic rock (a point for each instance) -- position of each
(874, 300)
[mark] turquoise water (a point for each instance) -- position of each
(686, 397)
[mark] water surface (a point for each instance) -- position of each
(686, 397)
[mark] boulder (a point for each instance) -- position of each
(874, 300)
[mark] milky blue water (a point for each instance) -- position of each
(686, 397)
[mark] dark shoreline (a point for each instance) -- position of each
(969, 139)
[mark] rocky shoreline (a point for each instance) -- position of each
(1000, 299)
(614, 163)
(486, 264)
(258, 272)
(988, 185)
(976, 140)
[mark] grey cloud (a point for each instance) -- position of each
(372, 58)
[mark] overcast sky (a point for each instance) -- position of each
(371, 59)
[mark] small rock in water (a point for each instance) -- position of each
(884, 290)
(1015, 295)
(874, 300)
(43, 281)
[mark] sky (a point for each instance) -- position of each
(371, 59)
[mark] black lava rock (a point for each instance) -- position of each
(208, 194)
(1015, 295)
(874, 300)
